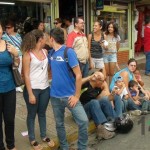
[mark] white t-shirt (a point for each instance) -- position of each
(123, 93)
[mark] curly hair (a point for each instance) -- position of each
(30, 40)
(115, 29)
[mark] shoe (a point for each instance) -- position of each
(102, 133)
(19, 89)
(49, 142)
(145, 112)
(36, 145)
(135, 112)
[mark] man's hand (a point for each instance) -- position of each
(73, 101)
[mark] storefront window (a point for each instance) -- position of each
(120, 17)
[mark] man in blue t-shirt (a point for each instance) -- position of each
(65, 89)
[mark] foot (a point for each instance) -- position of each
(36, 145)
(49, 142)
(102, 133)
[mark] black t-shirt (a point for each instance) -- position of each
(89, 93)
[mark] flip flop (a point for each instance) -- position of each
(36, 145)
(49, 142)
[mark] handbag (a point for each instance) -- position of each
(17, 76)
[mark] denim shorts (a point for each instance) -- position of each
(98, 63)
(110, 58)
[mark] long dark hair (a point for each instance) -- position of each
(115, 29)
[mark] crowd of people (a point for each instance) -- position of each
(103, 95)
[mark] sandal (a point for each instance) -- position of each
(36, 145)
(49, 142)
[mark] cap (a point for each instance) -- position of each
(119, 78)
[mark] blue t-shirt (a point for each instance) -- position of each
(15, 40)
(130, 77)
(6, 78)
(63, 85)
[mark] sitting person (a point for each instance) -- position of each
(127, 102)
(138, 96)
(99, 110)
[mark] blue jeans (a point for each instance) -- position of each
(118, 106)
(80, 117)
(99, 110)
(84, 69)
(42, 99)
(147, 65)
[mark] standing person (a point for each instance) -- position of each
(147, 44)
(65, 90)
(70, 26)
(110, 50)
(7, 94)
(12, 37)
(36, 90)
(95, 40)
(58, 24)
(78, 41)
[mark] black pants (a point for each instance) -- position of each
(7, 113)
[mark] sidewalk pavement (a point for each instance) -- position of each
(22, 142)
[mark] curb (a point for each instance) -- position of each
(72, 137)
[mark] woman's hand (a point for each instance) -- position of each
(12, 49)
(32, 99)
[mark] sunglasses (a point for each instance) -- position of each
(55, 22)
(8, 27)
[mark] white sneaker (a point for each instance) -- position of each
(19, 89)
(135, 112)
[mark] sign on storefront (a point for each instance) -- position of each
(99, 4)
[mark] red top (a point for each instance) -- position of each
(147, 38)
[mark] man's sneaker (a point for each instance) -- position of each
(102, 133)
(135, 112)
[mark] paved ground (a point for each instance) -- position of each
(132, 141)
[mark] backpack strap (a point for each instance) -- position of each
(66, 60)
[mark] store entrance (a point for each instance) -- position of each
(75, 8)
(67, 8)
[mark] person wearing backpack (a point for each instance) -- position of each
(65, 90)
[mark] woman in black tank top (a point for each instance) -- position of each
(95, 40)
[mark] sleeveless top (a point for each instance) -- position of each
(96, 49)
(38, 72)
(130, 77)
(6, 77)
(112, 43)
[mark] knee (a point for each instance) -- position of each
(94, 102)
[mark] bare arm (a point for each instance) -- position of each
(74, 99)
(26, 73)
(105, 90)
(89, 48)
(118, 45)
